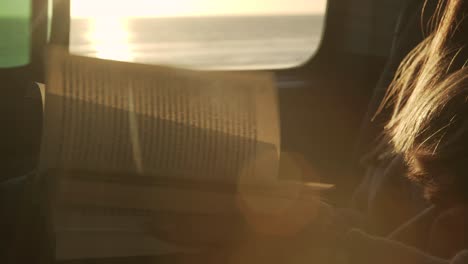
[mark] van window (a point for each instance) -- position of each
(15, 33)
(202, 34)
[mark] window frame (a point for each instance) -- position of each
(61, 22)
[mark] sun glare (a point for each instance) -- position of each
(110, 38)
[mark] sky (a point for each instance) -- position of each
(155, 8)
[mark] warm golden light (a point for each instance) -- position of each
(289, 201)
(110, 38)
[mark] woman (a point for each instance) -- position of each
(429, 128)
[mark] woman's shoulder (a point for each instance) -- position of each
(449, 231)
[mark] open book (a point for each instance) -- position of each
(150, 153)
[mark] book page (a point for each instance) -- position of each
(129, 119)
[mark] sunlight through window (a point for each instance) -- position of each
(110, 38)
(200, 34)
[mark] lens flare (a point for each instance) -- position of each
(283, 204)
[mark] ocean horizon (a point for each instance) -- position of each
(250, 42)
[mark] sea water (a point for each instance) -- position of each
(201, 42)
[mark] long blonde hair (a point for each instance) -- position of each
(428, 98)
